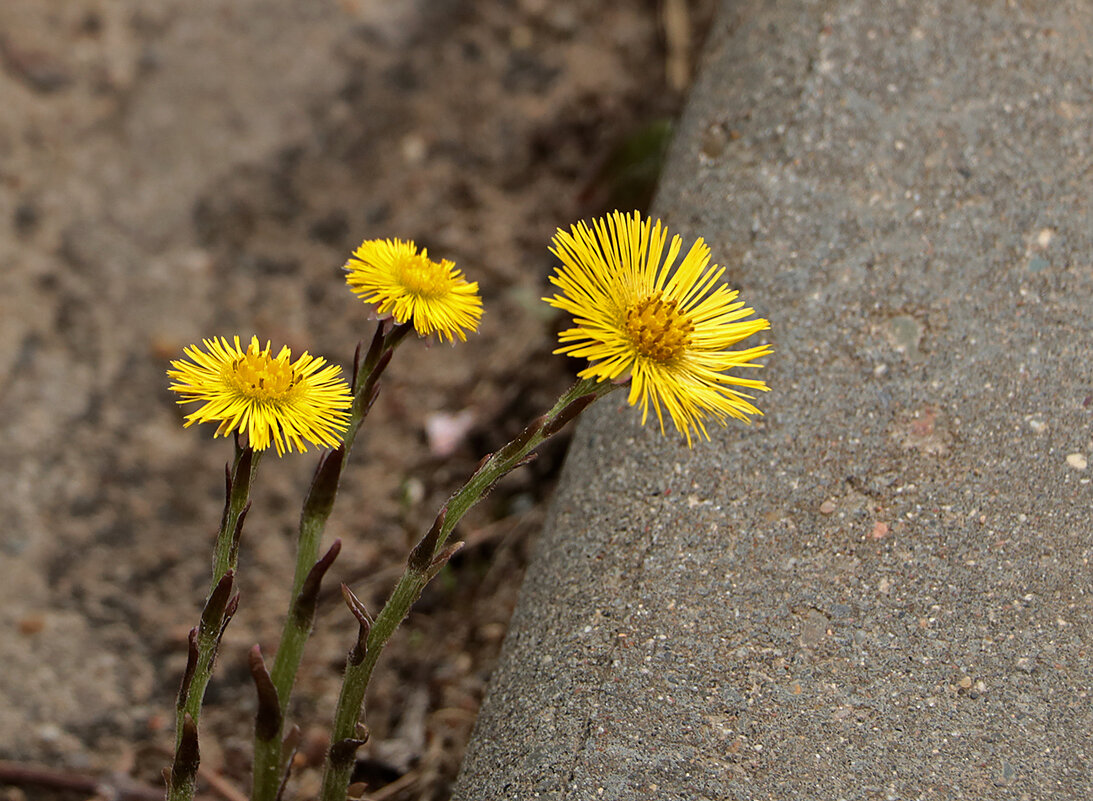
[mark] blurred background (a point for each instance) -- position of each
(178, 169)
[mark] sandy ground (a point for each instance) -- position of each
(171, 170)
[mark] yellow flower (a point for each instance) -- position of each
(668, 330)
(400, 281)
(270, 398)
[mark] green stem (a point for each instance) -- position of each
(428, 557)
(205, 637)
(244, 467)
(268, 756)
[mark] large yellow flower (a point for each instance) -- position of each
(271, 399)
(668, 330)
(406, 284)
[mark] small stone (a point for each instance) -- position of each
(31, 624)
(40, 70)
(492, 632)
(1026, 664)
(827, 507)
(49, 733)
(965, 683)
(813, 629)
(1006, 775)
(1077, 461)
(926, 429)
(414, 149)
(1037, 425)
(445, 432)
(714, 140)
(904, 334)
(884, 586)
(880, 530)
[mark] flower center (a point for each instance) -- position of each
(261, 377)
(422, 277)
(658, 329)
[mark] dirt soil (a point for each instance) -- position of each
(177, 169)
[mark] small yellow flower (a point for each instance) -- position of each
(269, 398)
(668, 330)
(406, 284)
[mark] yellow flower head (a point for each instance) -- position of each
(666, 329)
(406, 284)
(270, 398)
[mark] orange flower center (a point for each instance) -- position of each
(420, 276)
(658, 329)
(259, 376)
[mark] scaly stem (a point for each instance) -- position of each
(268, 754)
(238, 497)
(427, 558)
(205, 637)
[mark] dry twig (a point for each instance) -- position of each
(115, 786)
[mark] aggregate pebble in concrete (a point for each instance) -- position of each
(883, 589)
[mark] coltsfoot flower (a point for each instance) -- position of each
(666, 330)
(272, 399)
(405, 283)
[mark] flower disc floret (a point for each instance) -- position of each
(406, 284)
(272, 399)
(657, 328)
(665, 328)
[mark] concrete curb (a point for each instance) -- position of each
(883, 590)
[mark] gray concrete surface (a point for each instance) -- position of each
(882, 590)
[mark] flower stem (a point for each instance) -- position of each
(205, 637)
(425, 561)
(269, 769)
(243, 469)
